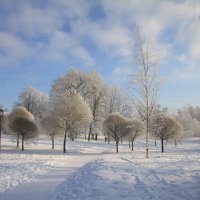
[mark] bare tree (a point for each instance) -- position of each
(18, 112)
(134, 130)
(72, 112)
(33, 100)
(164, 127)
(145, 82)
(118, 102)
(115, 126)
(25, 128)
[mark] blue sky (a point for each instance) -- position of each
(41, 39)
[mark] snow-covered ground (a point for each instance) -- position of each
(94, 171)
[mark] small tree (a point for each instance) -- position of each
(18, 112)
(51, 127)
(165, 127)
(115, 125)
(25, 128)
(134, 130)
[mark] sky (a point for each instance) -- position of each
(42, 39)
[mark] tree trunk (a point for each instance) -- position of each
(105, 139)
(64, 143)
(132, 145)
(90, 130)
(52, 142)
(175, 142)
(22, 143)
(117, 144)
(147, 138)
(96, 135)
(162, 144)
(121, 140)
(129, 143)
(17, 140)
(155, 142)
(92, 136)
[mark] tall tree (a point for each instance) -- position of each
(145, 82)
(96, 101)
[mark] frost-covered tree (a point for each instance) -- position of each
(33, 100)
(134, 130)
(74, 81)
(115, 125)
(144, 83)
(116, 101)
(21, 122)
(96, 101)
(18, 112)
(165, 126)
(25, 128)
(51, 126)
(72, 112)
(189, 118)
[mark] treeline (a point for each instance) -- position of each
(82, 103)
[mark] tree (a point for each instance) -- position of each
(134, 130)
(73, 80)
(115, 126)
(72, 112)
(164, 127)
(118, 102)
(25, 128)
(18, 112)
(189, 118)
(96, 101)
(145, 82)
(33, 100)
(51, 126)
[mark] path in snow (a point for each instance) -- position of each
(44, 186)
(121, 178)
(92, 171)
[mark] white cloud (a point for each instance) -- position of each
(13, 49)
(45, 27)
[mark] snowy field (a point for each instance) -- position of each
(94, 171)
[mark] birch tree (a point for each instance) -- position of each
(144, 83)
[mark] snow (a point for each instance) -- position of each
(92, 170)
